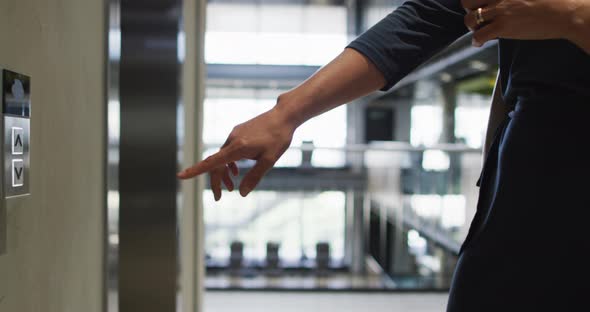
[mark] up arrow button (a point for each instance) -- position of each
(17, 141)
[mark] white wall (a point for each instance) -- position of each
(55, 235)
(191, 217)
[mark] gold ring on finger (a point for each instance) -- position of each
(479, 17)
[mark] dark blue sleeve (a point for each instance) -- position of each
(410, 35)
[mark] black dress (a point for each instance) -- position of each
(528, 245)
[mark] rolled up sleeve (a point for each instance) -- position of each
(410, 35)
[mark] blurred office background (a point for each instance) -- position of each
(374, 197)
(366, 211)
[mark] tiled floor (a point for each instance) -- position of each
(323, 302)
(229, 301)
(335, 281)
(373, 279)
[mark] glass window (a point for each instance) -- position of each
(471, 118)
(426, 124)
(274, 34)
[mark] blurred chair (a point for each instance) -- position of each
(273, 261)
(306, 153)
(236, 257)
(322, 258)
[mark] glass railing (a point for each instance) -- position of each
(386, 215)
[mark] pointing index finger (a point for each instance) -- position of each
(220, 158)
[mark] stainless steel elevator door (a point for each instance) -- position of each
(149, 74)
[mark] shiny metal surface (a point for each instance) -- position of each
(15, 106)
(12, 173)
(16, 109)
(112, 168)
(355, 249)
(147, 187)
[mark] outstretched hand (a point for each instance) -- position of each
(264, 139)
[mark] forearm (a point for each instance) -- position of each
(379, 58)
(349, 76)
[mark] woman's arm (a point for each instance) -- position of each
(376, 60)
(349, 76)
(266, 137)
(380, 57)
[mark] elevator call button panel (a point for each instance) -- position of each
(16, 109)
(15, 122)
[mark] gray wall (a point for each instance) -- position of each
(55, 236)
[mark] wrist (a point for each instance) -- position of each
(289, 109)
